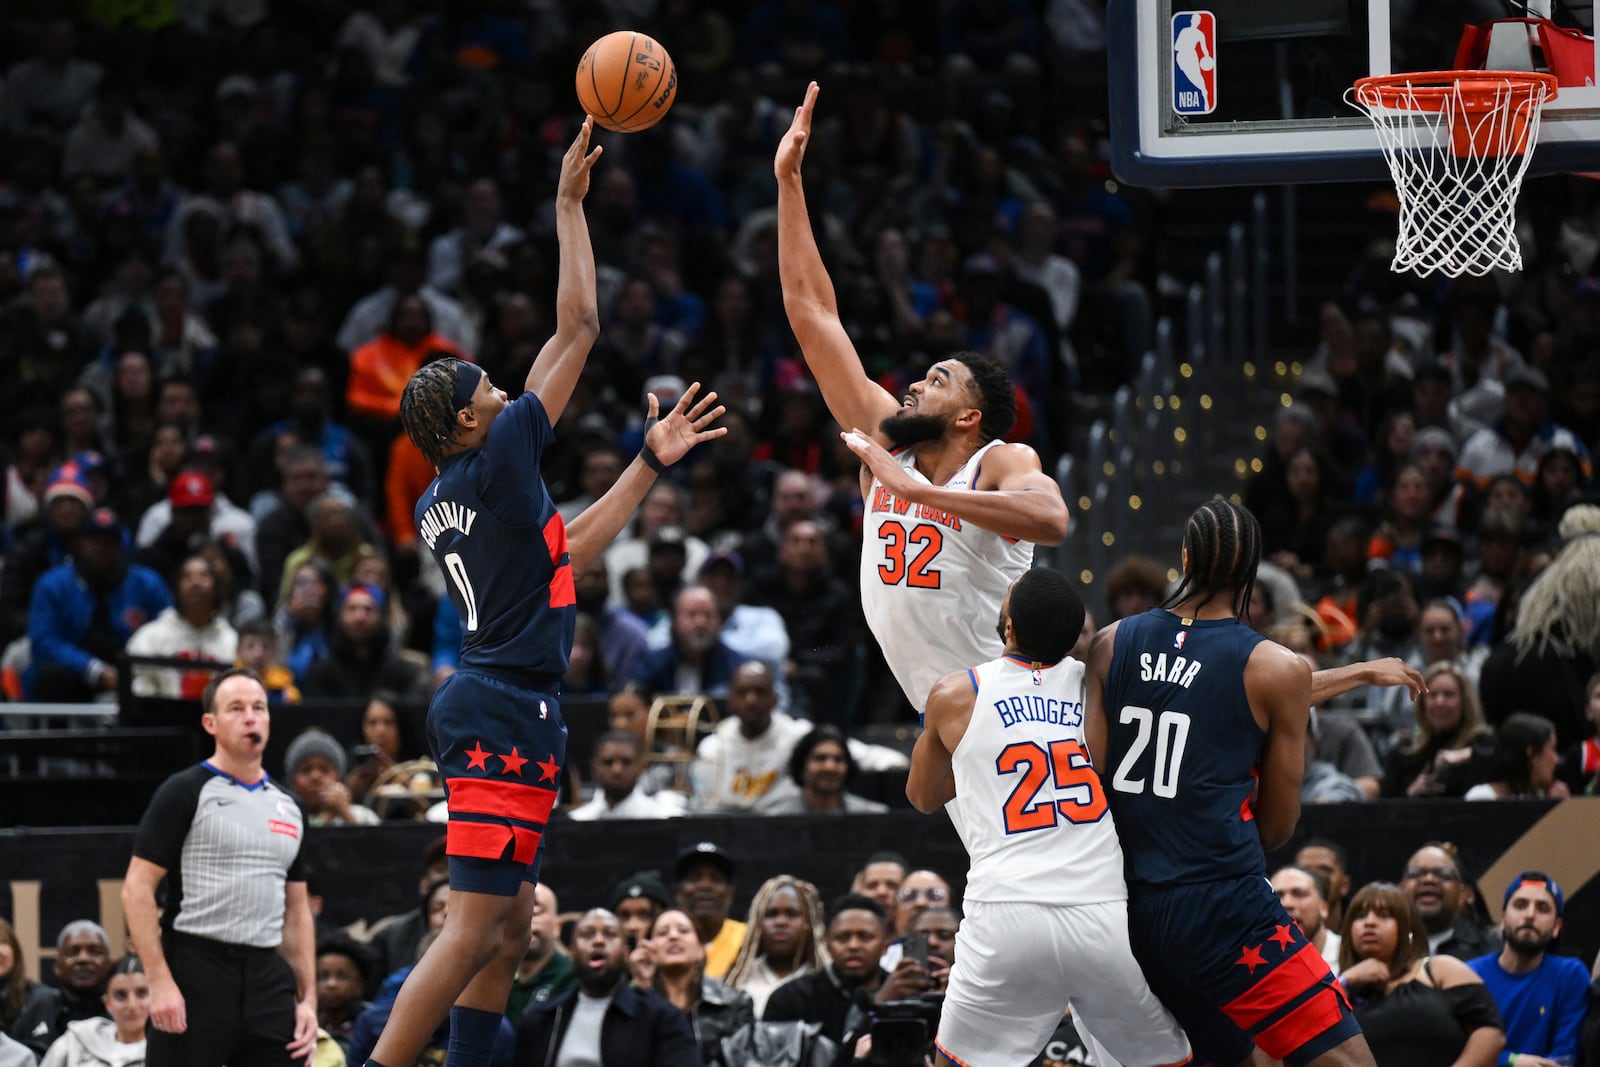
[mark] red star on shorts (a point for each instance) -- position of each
(477, 757)
(1251, 958)
(513, 762)
(548, 769)
(1284, 937)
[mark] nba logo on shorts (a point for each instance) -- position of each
(1194, 62)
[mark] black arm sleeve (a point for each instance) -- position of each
(167, 820)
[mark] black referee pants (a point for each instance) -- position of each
(238, 1002)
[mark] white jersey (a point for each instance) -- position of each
(931, 585)
(1029, 807)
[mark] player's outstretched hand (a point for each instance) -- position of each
(685, 426)
(575, 165)
(792, 149)
(883, 466)
(1393, 671)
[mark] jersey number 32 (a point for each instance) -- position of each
(1075, 780)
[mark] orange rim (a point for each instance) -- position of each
(1480, 91)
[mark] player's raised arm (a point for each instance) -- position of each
(808, 299)
(1096, 727)
(555, 370)
(1025, 504)
(665, 442)
(932, 782)
(1278, 682)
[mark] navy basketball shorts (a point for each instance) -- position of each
(499, 748)
(1237, 971)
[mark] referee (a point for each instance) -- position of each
(231, 959)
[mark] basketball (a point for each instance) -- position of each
(626, 81)
(1207, 63)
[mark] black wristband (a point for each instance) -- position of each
(651, 460)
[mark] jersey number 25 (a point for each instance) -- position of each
(1074, 779)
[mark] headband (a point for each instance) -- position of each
(467, 377)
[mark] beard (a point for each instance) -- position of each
(911, 429)
(1396, 628)
(1527, 942)
(591, 604)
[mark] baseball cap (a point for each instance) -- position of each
(1443, 537)
(1523, 374)
(1543, 881)
(1317, 383)
(703, 852)
(669, 537)
(90, 462)
(724, 557)
(647, 884)
(101, 521)
(191, 489)
(67, 481)
(369, 590)
(237, 85)
(1433, 438)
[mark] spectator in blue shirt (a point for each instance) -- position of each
(1541, 997)
(83, 612)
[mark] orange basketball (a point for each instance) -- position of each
(626, 81)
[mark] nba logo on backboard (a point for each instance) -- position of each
(1194, 62)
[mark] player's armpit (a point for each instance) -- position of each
(931, 783)
(1278, 683)
(1096, 726)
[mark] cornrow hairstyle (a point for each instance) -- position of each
(1223, 541)
(997, 397)
(427, 408)
(812, 952)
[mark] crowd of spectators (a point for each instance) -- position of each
(675, 978)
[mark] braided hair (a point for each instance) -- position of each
(427, 408)
(1223, 541)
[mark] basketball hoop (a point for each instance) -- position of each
(1457, 143)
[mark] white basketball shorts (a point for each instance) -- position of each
(1017, 967)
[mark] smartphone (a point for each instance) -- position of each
(915, 945)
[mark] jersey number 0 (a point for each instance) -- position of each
(1074, 777)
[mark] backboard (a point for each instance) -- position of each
(1251, 92)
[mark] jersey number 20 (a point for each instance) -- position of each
(923, 541)
(1073, 772)
(1172, 735)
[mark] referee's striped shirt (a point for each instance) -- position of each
(228, 849)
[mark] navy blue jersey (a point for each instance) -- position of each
(490, 523)
(1183, 749)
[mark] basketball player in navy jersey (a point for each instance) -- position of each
(495, 726)
(1197, 725)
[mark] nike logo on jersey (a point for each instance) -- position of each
(223, 802)
(445, 515)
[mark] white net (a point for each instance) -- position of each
(1457, 144)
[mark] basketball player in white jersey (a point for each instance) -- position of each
(1046, 905)
(952, 512)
